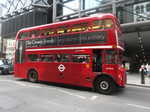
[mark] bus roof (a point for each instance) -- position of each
(94, 16)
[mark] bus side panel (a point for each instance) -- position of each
(20, 71)
(87, 76)
(111, 70)
(46, 71)
(117, 72)
(16, 70)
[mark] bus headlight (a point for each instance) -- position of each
(87, 65)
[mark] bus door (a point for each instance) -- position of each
(97, 60)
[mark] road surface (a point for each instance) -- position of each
(23, 96)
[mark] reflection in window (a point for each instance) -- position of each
(65, 58)
(81, 58)
(63, 29)
(34, 34)
(47, 32)
(23, 35)
(79, 27)
(47, 58)
(108, 23)
(102, 24)
(62, 58)
(33, 57)
(111, 57)
(97, 24)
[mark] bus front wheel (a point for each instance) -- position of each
(105, 85)
(32, 76)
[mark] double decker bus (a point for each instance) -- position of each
(85, 52)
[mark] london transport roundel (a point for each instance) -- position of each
(61, 68)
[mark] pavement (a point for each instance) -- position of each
(135, 79)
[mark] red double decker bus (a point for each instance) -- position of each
(84, 52)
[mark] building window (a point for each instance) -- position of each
(137, 10)
(148, 7)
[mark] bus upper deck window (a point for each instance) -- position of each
(108, 23)
(62, 30)
(34, 34)
(23, 35)
(79, 27)
(102, 24)
(97, 24)
(48, 32)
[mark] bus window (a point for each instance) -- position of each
(62, 58)
(97, 24)
(47, 32)
(34, 34)
(62, 30)
(111, 57)
(47, 58)
(119, 59)
(102, 24)
(23, 35)
(33, 57)
(42, 32)
(81, 58)
(65, 58)
(50, 32)
(79, 27)
(108, 23)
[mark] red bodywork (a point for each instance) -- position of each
(80, 74)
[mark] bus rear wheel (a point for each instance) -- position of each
(104, 85)
(32, 76)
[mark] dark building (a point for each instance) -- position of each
(37, 15)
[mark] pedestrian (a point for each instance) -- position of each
(144, 68)
(148, 69)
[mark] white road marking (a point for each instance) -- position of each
(21, 83)
(93, 97)
(139, 106)
(69, 93)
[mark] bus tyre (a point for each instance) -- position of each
(105, 85)
(32, 76)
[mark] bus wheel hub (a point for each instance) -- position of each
(104, 85)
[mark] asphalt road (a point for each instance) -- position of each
(23, 96)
